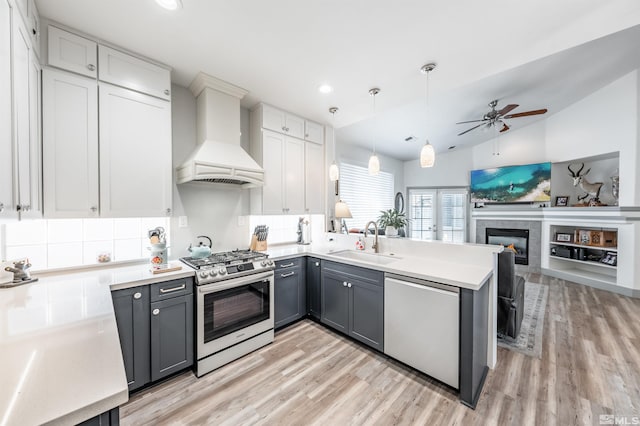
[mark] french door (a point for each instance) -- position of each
(438, 214)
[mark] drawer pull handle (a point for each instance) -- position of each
(287, 275)
(344, 284)
(169, 290)
(91, 67)
(317, 263)
(137, 295)
(287, 265)
(156, 311)
(167, 92)
(349, 285)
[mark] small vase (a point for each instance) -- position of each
(390, 231)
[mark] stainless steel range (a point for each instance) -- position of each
(234, 306)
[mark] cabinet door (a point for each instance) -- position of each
(70, 144)
(313, 287)
(273, 119)
(366, 313)
(135, 154)
(72, 53)
(294, 175)
(127, 71)
(171, 336)
(272, 162)
(294, 126)
(289, 296)
(335, 302)
(34, 200)
(131, 307)
(314, 178)
(34, 27)
(7, 166)
(313, 132)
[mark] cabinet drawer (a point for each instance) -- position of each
(375, 277)
(127, 71)
(72, 53)
(169, 289)
(286, 264)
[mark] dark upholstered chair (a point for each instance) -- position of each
(510, 295)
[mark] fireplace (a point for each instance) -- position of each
(519, 238)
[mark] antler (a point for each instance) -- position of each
(576, 174)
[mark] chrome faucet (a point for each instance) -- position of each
(375, 226)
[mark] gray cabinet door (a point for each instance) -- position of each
(335, 302)
(366, 313)
(171, 336)
(313, 287)
(131, 307)
(289, 296)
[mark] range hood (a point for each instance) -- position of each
(218, 158)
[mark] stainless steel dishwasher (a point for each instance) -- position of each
(421, 326)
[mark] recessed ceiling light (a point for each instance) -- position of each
(170, 4)
(325, 88)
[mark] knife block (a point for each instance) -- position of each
(257, 245)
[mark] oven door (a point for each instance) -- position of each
(232, 311)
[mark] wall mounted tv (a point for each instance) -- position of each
(528, 183)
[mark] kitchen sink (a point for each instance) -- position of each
(379, 259)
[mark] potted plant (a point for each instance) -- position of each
(392, 220)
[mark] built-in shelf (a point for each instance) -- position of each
(587, 277)
(561, 243)
(585, 262)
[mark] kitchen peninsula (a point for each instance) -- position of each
(60, 341)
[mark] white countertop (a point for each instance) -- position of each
(59, 346)
(444, 269)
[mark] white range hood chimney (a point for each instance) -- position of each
(218, 157)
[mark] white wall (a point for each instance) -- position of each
(211, 210)
(358, 156)
(604, 122)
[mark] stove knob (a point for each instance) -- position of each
(203, 274)
(240, 267)
(222, 271)
(270, 262)
(263, 263)
(213, 273)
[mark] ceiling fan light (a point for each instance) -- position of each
(170, 4)
(374, 165)
(427, 156)
(334, 172)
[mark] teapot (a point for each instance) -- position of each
(201, 250)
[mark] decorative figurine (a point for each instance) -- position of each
(592, 189)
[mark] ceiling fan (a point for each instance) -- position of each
(495, 118)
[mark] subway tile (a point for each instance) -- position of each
(64, 230)
(60, 255)
(127, 249)
(29, 232)
(98, 229)
(91, 250)
(126, 228)
(37, 255)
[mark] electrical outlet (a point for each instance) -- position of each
(183, 222)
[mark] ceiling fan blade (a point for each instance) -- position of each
(471, 121)
(527, 113)
(504, 128)
(468, 130)
(507, 109)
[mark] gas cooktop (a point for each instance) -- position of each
(226, 265)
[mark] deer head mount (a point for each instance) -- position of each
(578, 177)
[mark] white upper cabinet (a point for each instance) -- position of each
(313, 132)
(72, 52)
(127, 71)
(281, 122)
(135, 153)
(70, 145)
(294, 175)
(7, 205)
(26, 123)
(314, 178)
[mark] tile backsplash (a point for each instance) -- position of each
(60, 243)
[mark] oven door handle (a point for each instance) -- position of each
(235, 282)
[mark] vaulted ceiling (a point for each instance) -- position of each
(544, 53)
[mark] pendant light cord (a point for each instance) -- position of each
(375, 123)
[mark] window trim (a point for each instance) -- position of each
(467, 189)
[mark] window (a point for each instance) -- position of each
(365, 195)
(438, 214)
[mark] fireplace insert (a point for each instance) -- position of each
(516, 239)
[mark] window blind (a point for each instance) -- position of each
(365, 195)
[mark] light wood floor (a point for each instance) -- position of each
(310, 375)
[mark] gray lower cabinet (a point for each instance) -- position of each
(108, 418)
(313, 275)
(290, 300)
(131, 307)
(352, 301)
(155, 325)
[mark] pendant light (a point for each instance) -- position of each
(427, 153)
(374, 161)
(334, 171)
